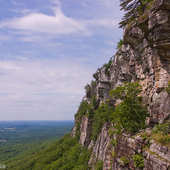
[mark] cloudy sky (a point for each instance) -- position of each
(49, 50)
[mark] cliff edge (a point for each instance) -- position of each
(143, 57)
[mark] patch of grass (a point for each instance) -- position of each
(162, 139)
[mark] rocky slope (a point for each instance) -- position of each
(144, 57)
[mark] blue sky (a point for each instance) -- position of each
(49, 50)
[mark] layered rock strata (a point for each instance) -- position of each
(144, 57)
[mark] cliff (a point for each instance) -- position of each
(144, 57)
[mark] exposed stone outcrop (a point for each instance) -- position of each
(100, 147)
(86, 130)
(73, 132)
(102, 85)
(144, 57)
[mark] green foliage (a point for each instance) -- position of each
(130, 114)
(89, 111)
(93, 82)
(164, 139)
(133, 9)
(29, 138)
(114, 155)
(114, 142)
(99, 165)
(77, 132)
(108, 65)
(86, 109)
(168, 88)
(102, 115)
(138, 160)
(94, 102)
(144, 135)
(161, 133)
(119, 44)
(87, 88)
(111, 131)
(65, 154)
(163, 128)
(125, 160)
(81, 110)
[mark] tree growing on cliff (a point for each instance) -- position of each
(130, 114)
(133, 9)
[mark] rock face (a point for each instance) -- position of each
(100, 147)
(86, 131)
(144, 57)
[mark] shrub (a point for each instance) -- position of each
(119, 44)
(164, 127)
(144, 135)
(161, 133)
(87, 88)
(107, 65)
(124, 160)
(130, 114)
(102, 115)
(99, 165)
(77, 132)
(138, 160)
(81, 110)
(94, 102)
(113, 142)
(89, 111)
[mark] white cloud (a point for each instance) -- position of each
(38, 23)
(41, 23)
(42, 86)
(84, 4)
(4, 37)
(56, 2)
(23, 11)
(18, 3)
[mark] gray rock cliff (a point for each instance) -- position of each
(144, 57)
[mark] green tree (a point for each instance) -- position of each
(81, 110)
(119, 44)
(102, 115)
(94, 102)
(130, 114)
(133, 9)
(108, 65)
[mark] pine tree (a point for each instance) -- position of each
(133, 9)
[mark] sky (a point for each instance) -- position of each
(49, 50)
